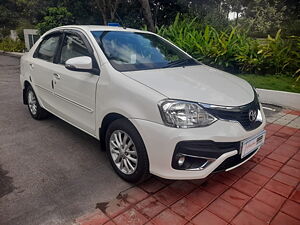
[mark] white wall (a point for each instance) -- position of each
(27, 32)
(281, 98)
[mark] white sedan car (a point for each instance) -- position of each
(155, 109)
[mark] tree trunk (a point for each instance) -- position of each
(147, 14)
(107, 9)
(104, 17)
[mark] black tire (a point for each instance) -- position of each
(39, 113)
(142, 166)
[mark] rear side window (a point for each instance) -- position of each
(73, 46)
(48, 48)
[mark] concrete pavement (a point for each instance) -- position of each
(50, 172)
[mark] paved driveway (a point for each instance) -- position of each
(50, 172)
(264, 190)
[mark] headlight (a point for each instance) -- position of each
(183, 114)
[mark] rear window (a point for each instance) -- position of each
(48, 48)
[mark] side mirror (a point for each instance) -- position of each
(82, 63)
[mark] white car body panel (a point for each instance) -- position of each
(83, 62)
(71, 104)
(198, 84)
(42, 78)
(84, 99)
(162, 141)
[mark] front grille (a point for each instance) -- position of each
(240, 114)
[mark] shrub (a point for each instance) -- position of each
(9, 45)
(280, 55)
(205, 43)
(55, 17)
(271, 55)
(233, 50)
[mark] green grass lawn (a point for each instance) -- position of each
(273, 82)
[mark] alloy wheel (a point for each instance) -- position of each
(123, 152)
(32, 102)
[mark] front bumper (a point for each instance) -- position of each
(161, 142)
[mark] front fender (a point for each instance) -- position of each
(117, 93)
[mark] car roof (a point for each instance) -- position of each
(100, 28)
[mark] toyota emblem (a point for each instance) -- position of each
(252, 115)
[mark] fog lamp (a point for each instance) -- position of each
(181, 160)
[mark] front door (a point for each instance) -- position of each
(75, 91)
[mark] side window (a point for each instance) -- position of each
(73, 46)
(48, 48)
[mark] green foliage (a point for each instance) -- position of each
(23, 24)
(9, 45)
(272, 55)
(215, 19)
(273, 82)
(264, 17)
(8, 17)
(279, 55)
(232, 49)
(55, 17)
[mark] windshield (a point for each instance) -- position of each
(130, 51)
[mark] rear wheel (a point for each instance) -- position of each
(36, 111)
(126, 151)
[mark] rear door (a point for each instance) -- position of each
(75, 91)
(41, 69)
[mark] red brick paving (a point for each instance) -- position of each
(270, 198)
(261, 210)
(213, 187)
(296, 194)
(200, 197)
(186, 208)
(152, 185)
(282, 218)
(235, 197)
(288, 111)
(223, 209)
(208, 218)
(168, 217)
(272, 163)
(245, 218)
(264, 190)
(150, 207)
(94, 218)
(130, 217)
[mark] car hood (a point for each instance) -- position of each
(196, 83)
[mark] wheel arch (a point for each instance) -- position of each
(106, 121)
(26, 85)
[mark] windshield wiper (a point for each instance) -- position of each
(178, 62)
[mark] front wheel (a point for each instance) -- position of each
(126, 151)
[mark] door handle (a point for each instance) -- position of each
(57, 76)
(31, 66)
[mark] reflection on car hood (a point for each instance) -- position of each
(196, 83)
